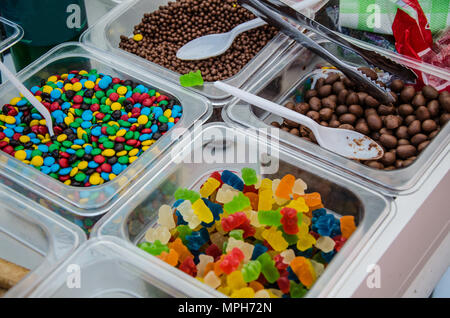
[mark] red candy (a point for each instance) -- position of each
(284, 284)
(231, 261)
(233, 221)
(99, 159)
(78, 99)
(188, 266)
(213, 251)
(249, 230)
(289, 220)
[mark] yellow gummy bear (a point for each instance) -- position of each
(209, 187)
(202, 211)
(245, 292)
(235, 281)
(275, 239)
(299, 205)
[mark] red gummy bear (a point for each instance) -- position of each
(289, 220)
(231, 261)
(340, 241)
(233, 221)
(216, 175)
(284, 284)
(188, 266)
(279, 263)
(214, 251)
(249, 230)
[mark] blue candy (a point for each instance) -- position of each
(258, 250)
(233, 180)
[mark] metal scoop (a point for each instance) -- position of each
(347, 143)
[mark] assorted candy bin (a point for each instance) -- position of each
(249, 237)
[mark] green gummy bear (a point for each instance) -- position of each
(290, 238)
(268, 268)
(237, 234)
(270, 217)
(249, 176)
(186, 194)
(191, 79)
(297, 290)
(155, 248)
(183, 231)
(239, 203)
(251, 271)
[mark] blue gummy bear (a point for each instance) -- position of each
(328, 256)
(291, 275)
(216, 210)
(325, 224)
(258, 250)
(180, 220)
(308, 253)
(197, 239)
(319, 212)
(177, 203)
(233, 180)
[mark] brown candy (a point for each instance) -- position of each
(406, 151)
(407, 94)
(430, 92)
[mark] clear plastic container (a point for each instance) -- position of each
(278, 83)
(94, 201)
(33, 237)
(14, 34)
(109, 268)
(121, 21)
(340, 195)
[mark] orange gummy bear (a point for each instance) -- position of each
(285, 186)
(181, 249)
(347, 225)
(209, 267)
(304, 270)
(217, 270)
(170, 258)
(254, 199)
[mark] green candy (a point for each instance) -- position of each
(237, 204)
(136, 135)
(155, 248)
(20, 148)
(163, 102)
(183, 231)
(186, 194)
(36, 152)
(237, 234)
(124, 123)
(191, 79)
(123, 160)
(67, 143)
(80, 176)
(79, 153)
(163, 119)
(96, 151)
(297, 290)
(99, 94)
(53, 147)
(268, 268)
(269, 218)
(249, 176)
(152, 92)
(108, 144)
(128, 147)
(251, 271)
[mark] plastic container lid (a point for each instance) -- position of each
(33, 237)
(14, 34)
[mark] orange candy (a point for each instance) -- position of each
(217, 270)
(313, 199)
(347, 225)
(209, 267)
(170, 258)
(254, 199)
(284, 189)
(181, 249)
(304, 270)
(255, 285)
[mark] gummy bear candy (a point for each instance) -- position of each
(299, 205)
(209, 187)
(233, 180)
(185, 209)
(275, 239)
(284, 189)
(268, 268)
(254, 199)
(299, 187)
(258, 250)
(245, 292)
(302, 267)
(297, 290)
(202, 211)
(165, 216)
(251, 271)
(191, 79)
(212, 280)
(233, 221)
(269, 218)
(249, 176)
(289, 220)
(284, 284)
(154, 248)
(186, 194)
(347, 225)
(265, 195)
(170, 258)
(225, 195)
(181, 249)
(235, 280)
(203, 261)
(231, 261)
(183, 230)
(160, 233)
(188, 266)
(325, 244)
(238, 203)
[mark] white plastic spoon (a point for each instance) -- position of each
(216, 44)
(26, 93)
(345, 142)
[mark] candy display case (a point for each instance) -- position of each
(95, 201)
(137, 213)
(106, 35)
(33, 237)
(109, 268)
(287, 78)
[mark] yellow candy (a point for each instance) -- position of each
(14, 101)
(89, 84)
(112, 176)
(37, 161)
(47, 89)
(246, 292)
(10, 120)
(144, 148)
(64, 76)
(82, 72)
(147, 142)
(67, 182)
(94, 178)
(121, 153)
(275, 239)
(77, 86)
(73, 172)
(122, 90)
(133, 152)
(121, 132)
(132, 159)
(20, 155)
(168, 113)
(235, 280)
(142, 120)
(24, 139)
(61, 137)
(109, 153)
(68, 120)
(82, 165)
(52, 78)
(171, 120)
(116, 106)
(68, 87)
(138, 37)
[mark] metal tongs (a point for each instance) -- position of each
(273, 12)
